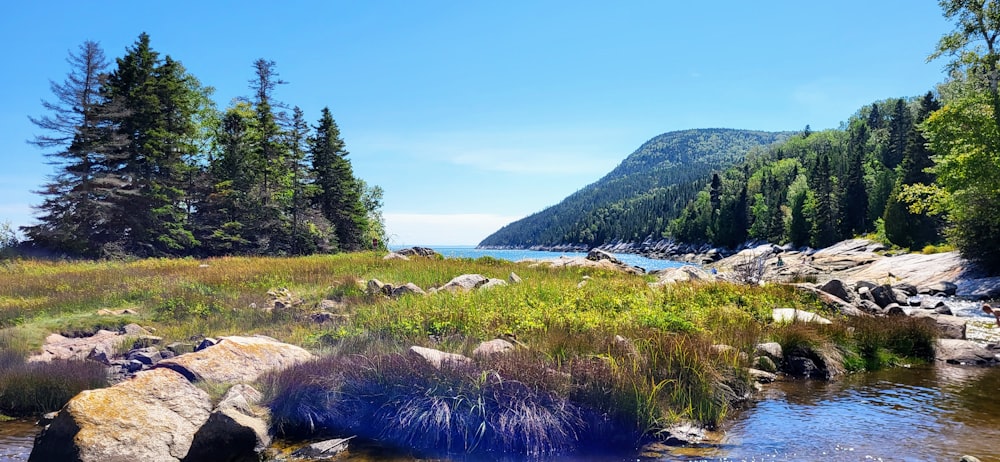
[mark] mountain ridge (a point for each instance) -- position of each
(639, 197)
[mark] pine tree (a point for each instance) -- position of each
(823, 231)
(903, 227)
(161, 101)
(338, 196)
(854, 200)
(80, 197)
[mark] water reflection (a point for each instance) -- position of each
(919, 414)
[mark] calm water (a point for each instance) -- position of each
(919, 414)
(649, 264)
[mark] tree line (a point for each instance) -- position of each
(820, 187)
(147, 166)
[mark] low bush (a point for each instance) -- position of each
(36, 388)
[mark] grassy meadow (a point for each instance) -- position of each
(568, 384)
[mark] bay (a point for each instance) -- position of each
(648, 264)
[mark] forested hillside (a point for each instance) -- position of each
(639, 197)
(817, 188)
(145, 165)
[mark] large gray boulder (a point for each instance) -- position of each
(464, 283)
(686, 273)
(964, 352)
(150, 418)
(237, 359)
(949, 327)
(838, 289)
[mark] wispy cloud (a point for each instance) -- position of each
(455, 228)
(541, 152)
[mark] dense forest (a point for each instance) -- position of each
(637, 198)
(913, 171)
(820, 187)
(147, 166)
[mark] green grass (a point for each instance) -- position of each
(667, 371)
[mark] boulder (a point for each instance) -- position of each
(964, 352)
(940, 287)
(205, 343)
(438, 358)
(838, 289)
(407, 289)
(514, 278)
(150, 418)
(600, 255)
(760, 376)
(883, 295)
(943, 309)
(794, 315)
(905, 287)
(949, 327)
(147, 356)
(893, 309)
(771, 350)
(869, 306)
(135, 330)
(57, 347)
(374, 287)
(418, 252)
(465, 282)
(236, 431)
(237, 359)
(492, 347)
(395, 256)
(491, 283)
(845, 308)
(765, 363)
(686, 273)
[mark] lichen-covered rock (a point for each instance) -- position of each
(150, 418)
(58, 347)
(407, 289)
(237, 359)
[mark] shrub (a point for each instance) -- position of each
(36, 388)
(402, 401)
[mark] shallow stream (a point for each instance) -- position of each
(908, 414)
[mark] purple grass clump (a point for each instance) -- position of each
(40, 387)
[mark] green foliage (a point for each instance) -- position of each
(146, 166)
(638, 198)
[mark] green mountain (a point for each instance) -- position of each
(638, 198)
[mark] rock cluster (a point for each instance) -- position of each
(160, 415)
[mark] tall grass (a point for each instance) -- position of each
(569, 383)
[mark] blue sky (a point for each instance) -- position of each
(472, 114)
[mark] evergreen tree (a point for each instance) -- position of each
(80, 198)
(161, 102)
(903, 227)
(854, 200)
(337, 195)
(274, 191)
(900, 123)
(823, 232)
